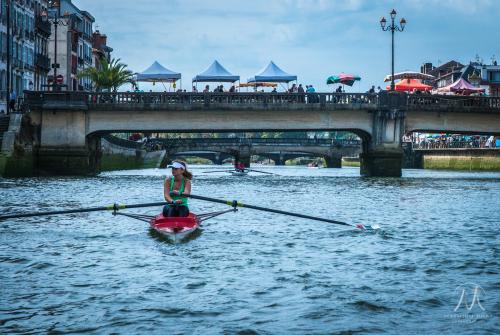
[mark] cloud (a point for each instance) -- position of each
(311, 38)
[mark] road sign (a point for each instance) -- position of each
(59, 79)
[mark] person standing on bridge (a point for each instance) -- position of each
(174, 188)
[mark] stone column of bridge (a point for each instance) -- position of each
(218, 159)
(333, 160)
(281, 160)
(62, 146)
(382, 154)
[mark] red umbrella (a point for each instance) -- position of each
(410, 85)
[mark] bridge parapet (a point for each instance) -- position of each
(194, 101)
(136, 101)
(200, 142)
(453, 103)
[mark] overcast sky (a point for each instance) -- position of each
(310, 38)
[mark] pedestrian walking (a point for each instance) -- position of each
(12, 101)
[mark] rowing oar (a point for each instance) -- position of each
(262, 172)
(235, 203)
(113, 207)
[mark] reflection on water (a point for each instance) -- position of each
(251, 271)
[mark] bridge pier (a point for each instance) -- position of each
(382, 154)
(333, 161)
(381, 163)
(70, 161)
(218, 159)
(280, 161)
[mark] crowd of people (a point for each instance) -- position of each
(455, 141)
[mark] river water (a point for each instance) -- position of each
(251, 272)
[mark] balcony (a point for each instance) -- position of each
(42, 62)
(43, 27)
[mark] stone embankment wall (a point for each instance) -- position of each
(118, 157)
(477, 159)
(17, 157)
(466, 159)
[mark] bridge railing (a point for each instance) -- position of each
(256, 141)
(438, 144)
(190, 98)
(257, 100)
(444, 102)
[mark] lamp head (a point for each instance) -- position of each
(383, 22)
(403, 23)
(393, 14)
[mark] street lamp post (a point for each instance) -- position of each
(9, 50)
(56, 20)
(392, 28)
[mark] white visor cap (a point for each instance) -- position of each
(177, 165)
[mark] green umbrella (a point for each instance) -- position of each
(343, 78)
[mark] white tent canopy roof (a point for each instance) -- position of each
(156, 72)
(272, 73)
(216, 73)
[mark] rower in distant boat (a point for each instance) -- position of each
(239, 167)
(179, 184)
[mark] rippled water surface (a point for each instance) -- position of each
(254, 272)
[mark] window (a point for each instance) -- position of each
(494, 76)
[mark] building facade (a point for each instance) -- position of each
(21, 36)
(74, 45)
(482, 75)
(445, 74)
(42, 34)
(28, 57)
(100, 48)
(490, 78)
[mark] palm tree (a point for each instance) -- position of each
(110, 76)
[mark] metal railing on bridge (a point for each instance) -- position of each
(472, 144)
(257, 100)
(257, 141)
(229, 98)
(449, 102)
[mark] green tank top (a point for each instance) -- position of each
(176, 197)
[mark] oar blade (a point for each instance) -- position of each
(368, 227)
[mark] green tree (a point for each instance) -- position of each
(111, 75)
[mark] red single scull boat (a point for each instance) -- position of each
(175, 228)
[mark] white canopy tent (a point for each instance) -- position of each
(216, 73)
(158, 73)
(272, 74)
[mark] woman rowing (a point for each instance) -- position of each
(175, 188)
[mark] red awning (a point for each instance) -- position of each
(410, 85)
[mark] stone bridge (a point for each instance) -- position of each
(240, 149)
(277, 149)
(68, 125)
